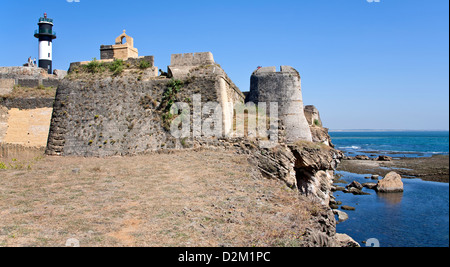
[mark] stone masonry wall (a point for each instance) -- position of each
(106, 116)
(192, 59)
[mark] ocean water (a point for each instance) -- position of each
(396, 144)
(418, 217)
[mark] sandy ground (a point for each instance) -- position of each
(204, 198)
(435, 168)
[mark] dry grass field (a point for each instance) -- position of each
(193, 199)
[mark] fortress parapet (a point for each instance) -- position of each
(182, 64)
(192, 59)
(284, 87)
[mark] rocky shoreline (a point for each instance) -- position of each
(435, 168)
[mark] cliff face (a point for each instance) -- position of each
(315, 165)
(318, 132)
(307, 167)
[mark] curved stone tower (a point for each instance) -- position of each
(268, 85)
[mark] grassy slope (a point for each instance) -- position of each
(26, 92)
(204, 198)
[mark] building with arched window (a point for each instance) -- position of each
(123, 49)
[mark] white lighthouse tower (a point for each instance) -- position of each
(45, 34)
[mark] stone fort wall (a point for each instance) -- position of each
(284, 87)
(192, 59)
(25, 121)
(97, 115)
(27, 77)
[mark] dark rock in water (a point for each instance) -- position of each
(335, 202)
(347, 208)
(384, 158)
(370, 185)
(334, 206)
(375, 177)
(355, 184)
(362, 157)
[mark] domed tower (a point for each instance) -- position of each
(45, 34)
(284, 87)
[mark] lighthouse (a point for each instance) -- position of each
(45, 34)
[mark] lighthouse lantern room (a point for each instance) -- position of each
(45, 34)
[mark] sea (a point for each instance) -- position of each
(418, 217)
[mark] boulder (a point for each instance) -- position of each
(346, 241)
(347, 208)
(342, 216)
(391, 183)
(375, 177)
(370, 185)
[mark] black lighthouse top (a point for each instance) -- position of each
(45, 28)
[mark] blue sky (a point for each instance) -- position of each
(363, 65)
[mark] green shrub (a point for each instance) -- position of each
(317, 122)
(117, 66)
(94, 66)
(169, 98)
(184, 142)
(2, 166)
